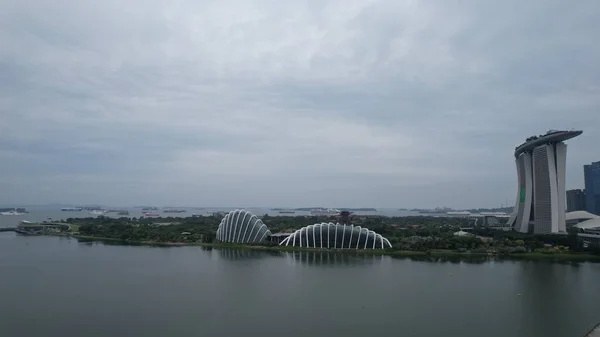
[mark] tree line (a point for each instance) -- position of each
(416, 233)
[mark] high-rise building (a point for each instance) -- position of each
(541, 165)
(575, 200)
(592, 187)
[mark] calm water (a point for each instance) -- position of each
(59, 287)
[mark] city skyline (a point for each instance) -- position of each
(592, 187)
(576, 200)
(355, 104)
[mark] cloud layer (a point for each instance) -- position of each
(274, 103)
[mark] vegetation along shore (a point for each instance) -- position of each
(410, 236)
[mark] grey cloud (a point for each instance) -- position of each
(345, 103)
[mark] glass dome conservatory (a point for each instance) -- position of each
(241, 226)
(336, 236)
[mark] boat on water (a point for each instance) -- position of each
(119, 211)
(97, 212)
(150, 214)
(174, 210)
(71, 209)
(324, 211)
(287, 211)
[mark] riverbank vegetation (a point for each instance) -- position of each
(419, 235)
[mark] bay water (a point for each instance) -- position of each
(52, 286)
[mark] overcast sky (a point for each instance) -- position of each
(289, 103)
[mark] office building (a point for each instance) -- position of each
(541, 166)
(592, 187)
(575, 200)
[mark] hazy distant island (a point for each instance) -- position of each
(359, 209)
(414, 235)
(443, 210)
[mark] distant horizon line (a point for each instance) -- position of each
(243, 207)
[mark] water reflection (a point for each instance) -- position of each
(302, 257)
(98, 242)
(344, 258)
(353, 296)
(537, 279)
(447, 259)
(331, 258)
(244, 254)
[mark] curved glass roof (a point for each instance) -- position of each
(241, 226)
(336, 236)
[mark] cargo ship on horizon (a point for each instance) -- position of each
(174, 210)
(71, 209)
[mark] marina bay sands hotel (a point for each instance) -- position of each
(541, 165)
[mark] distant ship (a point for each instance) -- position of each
(97, 212)
(115, 210)
(119, 211)
(150, 214)
(324, 212)
(71, 209)
(287, 211)
(93, 208)
(174, 210)
(146, 209)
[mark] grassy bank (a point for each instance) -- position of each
(564, 257)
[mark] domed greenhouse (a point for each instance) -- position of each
(336, 236)
(241, 226)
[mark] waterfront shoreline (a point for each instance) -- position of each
(558, 257)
